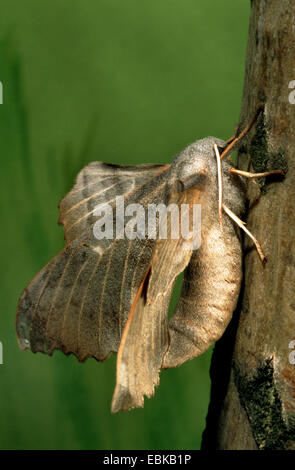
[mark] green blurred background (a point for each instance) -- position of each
(119, 81)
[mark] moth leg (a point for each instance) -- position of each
(240, 136)
(247, 174)
(228, 141)
(241, 224)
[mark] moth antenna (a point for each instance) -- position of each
(240, 223)
(233, 140)
(228, 141)
(219, 175)
(247, 174)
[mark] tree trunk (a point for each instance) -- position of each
(253, 370)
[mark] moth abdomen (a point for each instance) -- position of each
(209, 295)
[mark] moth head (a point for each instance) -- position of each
(196, 168)
(196, 164)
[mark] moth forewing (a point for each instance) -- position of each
(145, 338)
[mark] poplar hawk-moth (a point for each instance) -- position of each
(98, 297)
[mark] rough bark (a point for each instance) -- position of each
(253, 378)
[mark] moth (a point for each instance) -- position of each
(104, 296)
